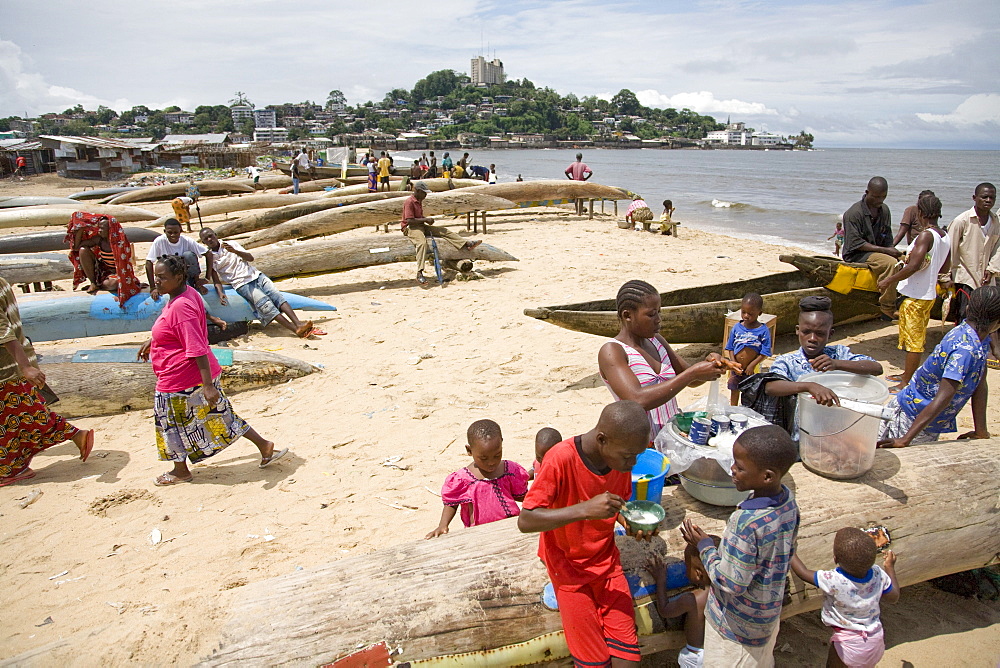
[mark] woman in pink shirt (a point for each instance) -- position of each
(194, 419)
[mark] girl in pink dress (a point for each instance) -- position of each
(640, 365)
(486, 490)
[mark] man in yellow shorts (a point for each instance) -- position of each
(926, 257)
(182, 210)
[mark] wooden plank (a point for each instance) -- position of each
(420, 596)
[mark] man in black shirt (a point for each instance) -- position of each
(868, 239)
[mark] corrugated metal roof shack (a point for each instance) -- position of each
(93, 157)
(38, 159)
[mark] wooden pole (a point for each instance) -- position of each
(484, 222)
(591, 217)
(468, 222)
(420, 596)
(616, 208)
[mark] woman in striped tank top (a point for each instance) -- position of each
(640, 365)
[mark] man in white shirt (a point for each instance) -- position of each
(231, 264)
(171, 242)
(975, 249)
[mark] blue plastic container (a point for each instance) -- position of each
(648, 474)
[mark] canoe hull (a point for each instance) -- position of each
(43, 242)
(697, 315)
(108, 388)
(170, 191)
(35, 268)
(30, 200)
(80, 316)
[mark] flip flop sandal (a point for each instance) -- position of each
(316, 331)
(275, 456)
(167, 479)
(88, 445)
(27, 474)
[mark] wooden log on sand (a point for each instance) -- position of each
(35, 267)
(101, 387)
(314, 186)
(374, 213)
(478, 589)
(262, 219)
(266, 181)
(434, 185)
(531, 191)
(214, 207)
(172, 190)
(53, 240)
(329, 255)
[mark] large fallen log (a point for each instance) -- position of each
(214, 207)
(329, 255)
(306, 186)
(59, 214)
(51, 240)
(434, 185)
(172, 190)
(478, 589)
(549, 189)
(263, 219)
(374, 213)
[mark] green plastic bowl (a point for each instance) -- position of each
(684, 420)
(643, 515)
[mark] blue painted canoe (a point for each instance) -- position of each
(79, 316)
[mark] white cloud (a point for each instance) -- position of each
(977, 109)
(703, 102)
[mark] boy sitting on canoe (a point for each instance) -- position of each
(172, 242)
(232, 265)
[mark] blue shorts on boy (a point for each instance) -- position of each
(749, 568)
(757, 339)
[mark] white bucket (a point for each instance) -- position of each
(836, 442)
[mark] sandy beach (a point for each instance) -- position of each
(406, 371)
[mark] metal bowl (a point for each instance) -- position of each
(716, 495)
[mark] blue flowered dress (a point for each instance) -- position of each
(961, 357)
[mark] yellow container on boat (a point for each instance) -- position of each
(852, 278)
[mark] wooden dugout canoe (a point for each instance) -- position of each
(448, 612)
(35, 268)
(266, 181)
(316, 185)
(101, 193)
(434, 185)
(214, 207)
(262, 219)
(331, 255)
(335, 170)
(374, 213)
(39, 216)
(53, 240)
(172, 190)
(75, 316)
(110, 380)
(698, 314)
(14, 202)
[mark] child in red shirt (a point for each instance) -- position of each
(574, 502)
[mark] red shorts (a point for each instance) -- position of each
(599, 621)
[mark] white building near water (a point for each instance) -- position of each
(729, 137)
(486, 72)
(270, 135)
(765, 139)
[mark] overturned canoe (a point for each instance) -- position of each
(108, 381)
(52, 240)
(262, 219)
(549, 189)
(35, 268)
(698, 314)
(434, 185)
(335, 170)
(14, 202)
(266, 181)
(172, 190)
(59, 214)
(75, 316)
(330, 255)
(413, 596)
(375, 213)
(313, 186)
(102, 193)
(214, 207)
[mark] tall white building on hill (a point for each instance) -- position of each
(486, 72)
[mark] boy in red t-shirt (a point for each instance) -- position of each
(574, 502)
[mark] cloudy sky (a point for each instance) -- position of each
(921, 74)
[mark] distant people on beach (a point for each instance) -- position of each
(486, 490)
(578, 171)
(909, 224)
(492, 175)
(479, 172)
(253, 172)
(384, 169)
(464, 162)
(458, 172)
(975, 240)
(20, 164)
(432, 167)
(927, 256)
(667, 217)
(182, 209)
(447, 164)
(868, 239)
(300, 165)
(838, 237)
(372, 166)
(544, 440)
(638, 212)
(519, 179)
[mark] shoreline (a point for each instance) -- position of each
(407, 370)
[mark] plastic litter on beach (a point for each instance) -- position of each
(31, 498)
(155, 537)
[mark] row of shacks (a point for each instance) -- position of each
(104, 158)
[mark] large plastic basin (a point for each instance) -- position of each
(835, 442)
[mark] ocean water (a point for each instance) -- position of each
(789, 197)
